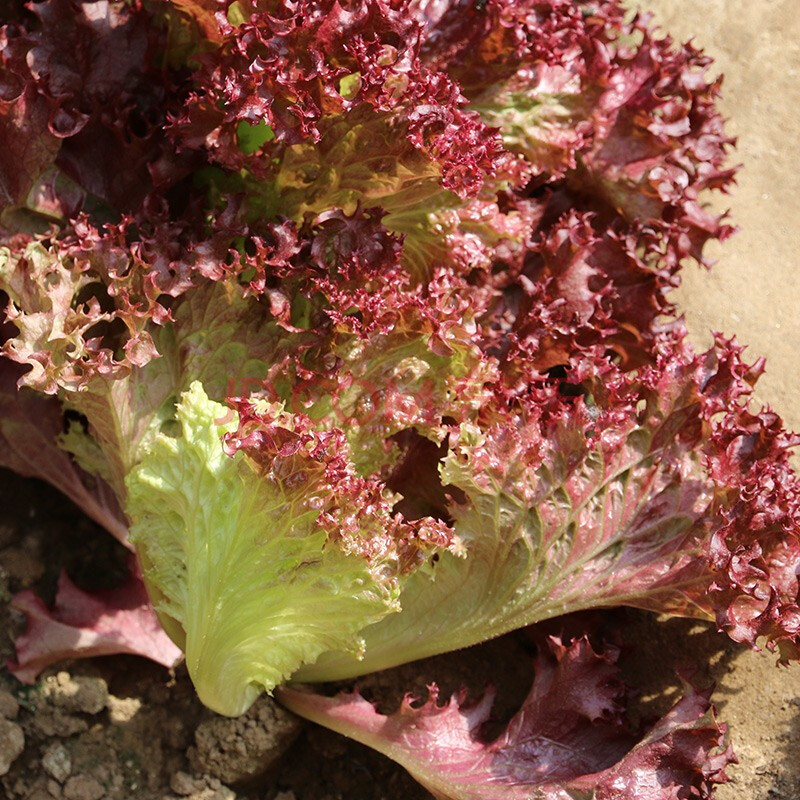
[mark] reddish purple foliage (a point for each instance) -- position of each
(568, 738)
(83, 624)
(424, 249)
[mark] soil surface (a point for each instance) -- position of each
(120, 728)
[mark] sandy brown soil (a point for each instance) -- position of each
(123, 729)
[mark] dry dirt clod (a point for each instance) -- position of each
(83, 787)
(57, 762)
(52, 722)
(240, 749)
(80, 693)
(9, 707)
(182, 784)
(12, 743)
(122, 710)
(203, 788)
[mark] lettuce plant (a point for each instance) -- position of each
(352, 320)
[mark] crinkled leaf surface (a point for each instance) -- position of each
(602, 504)
(449, 346)
(239, 564)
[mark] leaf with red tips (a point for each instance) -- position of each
(265, 552)
(660, 141)
(567, 740)
(631, 493)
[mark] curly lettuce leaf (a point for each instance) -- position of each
(590, 93)
(247, 555)
(562, 505)
(568, 740)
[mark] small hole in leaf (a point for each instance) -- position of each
(350, 85)
(251, 138)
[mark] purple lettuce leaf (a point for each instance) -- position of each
(27, 147)
(656, 489)
(31, 426)
(83, 624)
(568, 740)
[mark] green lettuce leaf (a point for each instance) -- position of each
(245, 578)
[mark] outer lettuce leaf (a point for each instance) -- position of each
(248, 557)
(563, 505)
(567, 741)
(581, 90)
(27, 148)
(31, 434)
(83, 625)
(30, 427)
(556, 503)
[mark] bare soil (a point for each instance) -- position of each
(120, 728)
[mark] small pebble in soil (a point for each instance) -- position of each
(56, 762)
(12, 743)
(202, 788)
